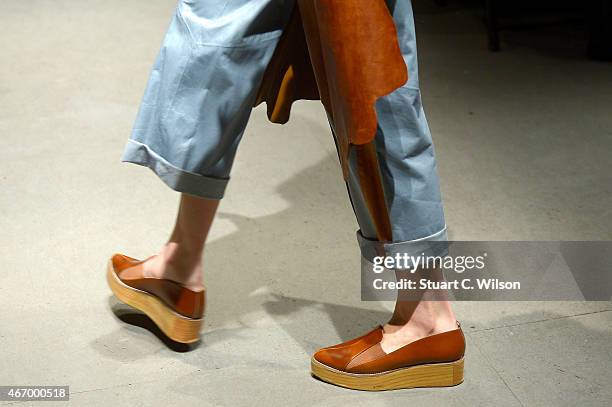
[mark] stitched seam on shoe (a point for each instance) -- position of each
(354, 357)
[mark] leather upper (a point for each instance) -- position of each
(181, 299)
(439, 348)
(345, 53)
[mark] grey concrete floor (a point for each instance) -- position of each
(524, 140)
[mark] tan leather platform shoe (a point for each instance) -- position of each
(433, 361)
(175, 309)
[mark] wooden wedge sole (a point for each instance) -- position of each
(177, 327)
(432, 375)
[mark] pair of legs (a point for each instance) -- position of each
(197, 104)
(181, 260)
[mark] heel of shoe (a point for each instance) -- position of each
(431, 375)
(175, 326)
(442, 374)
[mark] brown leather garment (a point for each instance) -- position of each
(363, 355)
(345, 53)
(180, 299)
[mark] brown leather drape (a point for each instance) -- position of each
(346, 54)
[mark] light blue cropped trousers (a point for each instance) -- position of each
(200, 95)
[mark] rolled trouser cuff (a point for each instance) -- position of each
(432, 245)
(176, 178)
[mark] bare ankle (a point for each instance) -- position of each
(413, 320)
(175, 264)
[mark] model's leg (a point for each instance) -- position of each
(417, 313)
(180, 259)
(407, 170)
(189, 126)
(421, 345)
(412, 188)
(196, 106)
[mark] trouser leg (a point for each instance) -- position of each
(403, 168)
(201, 91)
(199, 97)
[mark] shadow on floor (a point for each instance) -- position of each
(136, 318)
